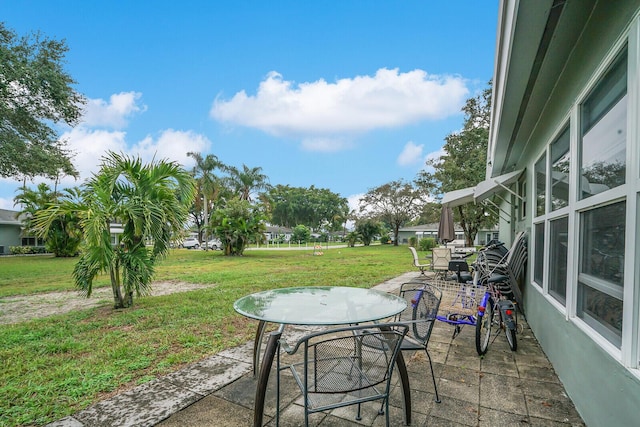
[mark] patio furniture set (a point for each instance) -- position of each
(352, 358)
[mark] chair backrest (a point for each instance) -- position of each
(416, 260)
(511, 264)
(441, 258)
(516, 264)
(335, 357)
(517, 258)
(423, 302)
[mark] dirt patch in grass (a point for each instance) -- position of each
(18, 309)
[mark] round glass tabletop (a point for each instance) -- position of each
(320, 305)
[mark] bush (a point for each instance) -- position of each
(352, 238)
(27, 250)
(427, 244)
(301, 233)
(413, 241)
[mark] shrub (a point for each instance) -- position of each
(413, 241)
(27, 250)
(352, 238)
(301, 233)
(427, 244)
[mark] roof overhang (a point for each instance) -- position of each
(534, 40)
(458, 197)
(491, 186)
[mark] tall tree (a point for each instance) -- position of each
(395, 203)
(316, 208)
(149, 200)
(247, 181)
(208, 187)
(464, 164)
(35, 93)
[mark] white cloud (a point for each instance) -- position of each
(354, 201)
(114, 113)
(343, 108)
(90, 145)
(354, 205)
(7, 204)
(410, 155)
(172, 145)
(431, 156)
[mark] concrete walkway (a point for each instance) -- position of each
(502, 389)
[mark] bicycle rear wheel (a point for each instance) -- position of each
(511, 336)
(483, 328)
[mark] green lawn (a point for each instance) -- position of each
(55, 366)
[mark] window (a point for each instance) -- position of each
(538, 266)
(540, 170)
(522, 192)
(560, 162)
(604, 132)
(558, 240)
(601, 270)
(29, 241)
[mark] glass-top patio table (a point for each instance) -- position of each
(315, 305)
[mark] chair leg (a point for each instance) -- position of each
(257, 346)
(433, 376)
(261, 389)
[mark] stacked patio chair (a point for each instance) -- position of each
(504, 269)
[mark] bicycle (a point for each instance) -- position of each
(497, 308)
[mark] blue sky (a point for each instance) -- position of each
(345, 95)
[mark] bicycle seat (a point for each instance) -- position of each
(498, 278)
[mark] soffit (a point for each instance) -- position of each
(542, 36)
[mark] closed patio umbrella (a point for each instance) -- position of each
(446, 233)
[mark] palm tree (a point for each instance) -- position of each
(32, 201)
(207, 182)
(64, 234)
(247, 180)
(148, 200)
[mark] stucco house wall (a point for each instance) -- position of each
(10, 230)
(553, 59)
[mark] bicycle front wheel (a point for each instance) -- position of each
(483, 328)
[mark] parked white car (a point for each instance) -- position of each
(214, 244)
(190, 243)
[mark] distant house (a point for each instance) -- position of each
(10, 230)
(431, 231)
(274, 232)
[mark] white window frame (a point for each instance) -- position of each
(629, 352)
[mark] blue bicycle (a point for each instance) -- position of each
(496, 309)
(485, 302)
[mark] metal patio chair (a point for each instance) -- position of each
(345, 366)
(423, 302)
(416, 261)
(440, 261)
